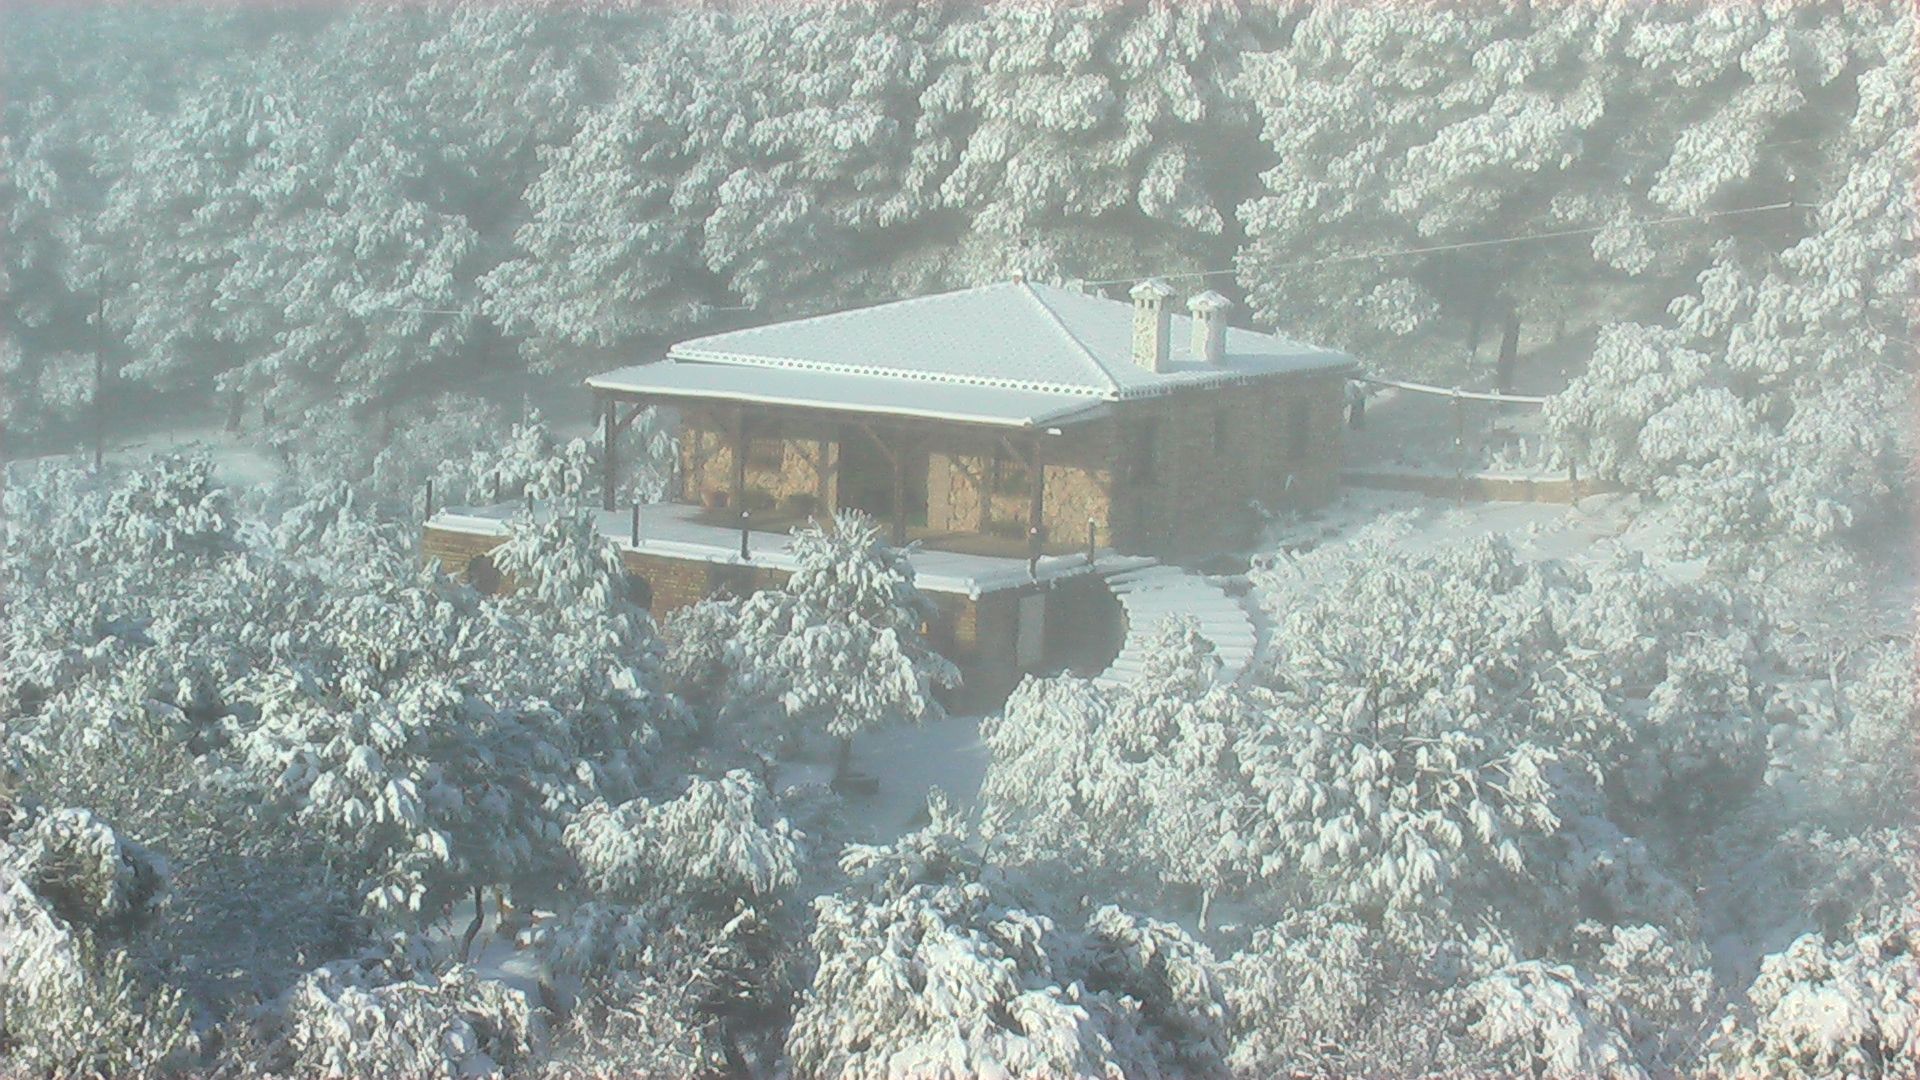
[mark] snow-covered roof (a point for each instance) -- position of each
(1026, 353)
(999, 406)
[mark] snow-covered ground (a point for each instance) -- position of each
(241, 460)
(909, 761)
(1591, 528)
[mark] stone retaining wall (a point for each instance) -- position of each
(1479, 487)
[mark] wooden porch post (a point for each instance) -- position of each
(822, 471)
(896, 457)
(608, 461)
(739, 496)
(830, 500)
(899, 497)
(1036, 502)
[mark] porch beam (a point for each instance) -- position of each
(1029, 457)
(887, 449)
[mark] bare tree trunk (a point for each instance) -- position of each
(1509, 354)
(473, 928)
(99, 379)
(844, 761)
(1475, 324)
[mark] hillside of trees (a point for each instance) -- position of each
(275, 799)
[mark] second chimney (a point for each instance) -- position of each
(1209, 311)
(1152, 324)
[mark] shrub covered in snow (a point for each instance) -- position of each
(1162, 761)
(72, 1003)
(943, 980)
(365, 1018)
(1830, 1008)
(91, 876)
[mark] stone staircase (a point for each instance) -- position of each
(1151, 594)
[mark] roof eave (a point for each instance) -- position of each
(1064, 416)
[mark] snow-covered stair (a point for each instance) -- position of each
(1152, 593)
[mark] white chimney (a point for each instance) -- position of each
(1209, 311)
(1152, 324)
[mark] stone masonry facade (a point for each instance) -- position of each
(791, 468)
(1174, 475)
(1216, 454)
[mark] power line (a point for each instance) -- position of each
(1329, 260)
(1492, 242)
(270, 302)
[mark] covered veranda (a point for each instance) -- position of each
(883, 430)
(676, 531)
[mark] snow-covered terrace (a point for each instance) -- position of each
(671, 530)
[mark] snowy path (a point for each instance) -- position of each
(1151, 594)
(909, 761)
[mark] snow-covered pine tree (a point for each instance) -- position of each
(1765, 408)
(1160, 761)
(717, 842)
(840, 647)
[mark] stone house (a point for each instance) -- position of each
(1027, 438)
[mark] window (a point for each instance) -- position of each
(1299, 430)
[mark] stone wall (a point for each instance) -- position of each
(1218, 451)
(788, 466)
(455, 551)
(1481, 487)
(963, 495)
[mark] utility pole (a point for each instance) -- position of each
(99, 376)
